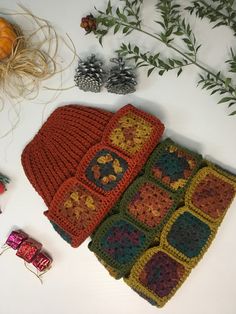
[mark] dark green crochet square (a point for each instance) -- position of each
(122, 242)
(106, 169)
(173, 165)
(188, 235)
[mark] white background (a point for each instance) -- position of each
(77, 283)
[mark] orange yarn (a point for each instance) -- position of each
(55, 152)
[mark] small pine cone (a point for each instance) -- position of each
(122, 79)
(89, 75)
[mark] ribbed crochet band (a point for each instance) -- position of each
(56, 150)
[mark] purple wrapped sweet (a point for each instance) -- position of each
(16, 238)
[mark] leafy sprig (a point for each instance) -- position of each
(169, 12)
(173, 25)
(232, 62)
(221, 85)
(219, 12)
(127, 18)
(152, 61)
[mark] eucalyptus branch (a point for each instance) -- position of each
(221, 14)
(127, 19)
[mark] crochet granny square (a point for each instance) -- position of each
(106, 169)
(132, 131)
(157, 275)
(172, 165)
(118, 242)
(187, 235)
(148, 204)
(210, 194)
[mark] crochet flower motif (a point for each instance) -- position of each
(150, 204)
(78, 207)
(131, 133)
(213, 195)
(106, 169)
(174, 167)
(122, 241)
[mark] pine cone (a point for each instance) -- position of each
(122, 79)
(89, 75)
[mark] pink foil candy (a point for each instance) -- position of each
(42, 261)
(16, 238)
(28, 250)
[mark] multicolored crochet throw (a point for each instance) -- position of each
(165, 222)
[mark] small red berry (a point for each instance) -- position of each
(2, 188)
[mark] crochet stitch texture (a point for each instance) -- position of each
(88, 163)
(153, 209)
(178, 236)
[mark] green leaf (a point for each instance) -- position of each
(179, 72)
(232, 103)
(171, 62)
(116, 28)
(169, 31)
(215, 91)
(161, 72)
(187, 41)
(227, 81)
(100, 40)
(125, 29)
(121, 16)
(139, 64)
(232, 113)
(178, 62)
(150, 71)
(136, 50)
(225, 99)
(109, 8)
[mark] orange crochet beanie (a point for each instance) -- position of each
(55, 152)
(83, 159)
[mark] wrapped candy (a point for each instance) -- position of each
(28, 250)
(42, 262)
(16, 238)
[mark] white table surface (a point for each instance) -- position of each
(77, 283)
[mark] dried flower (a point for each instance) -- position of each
(89, 23)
